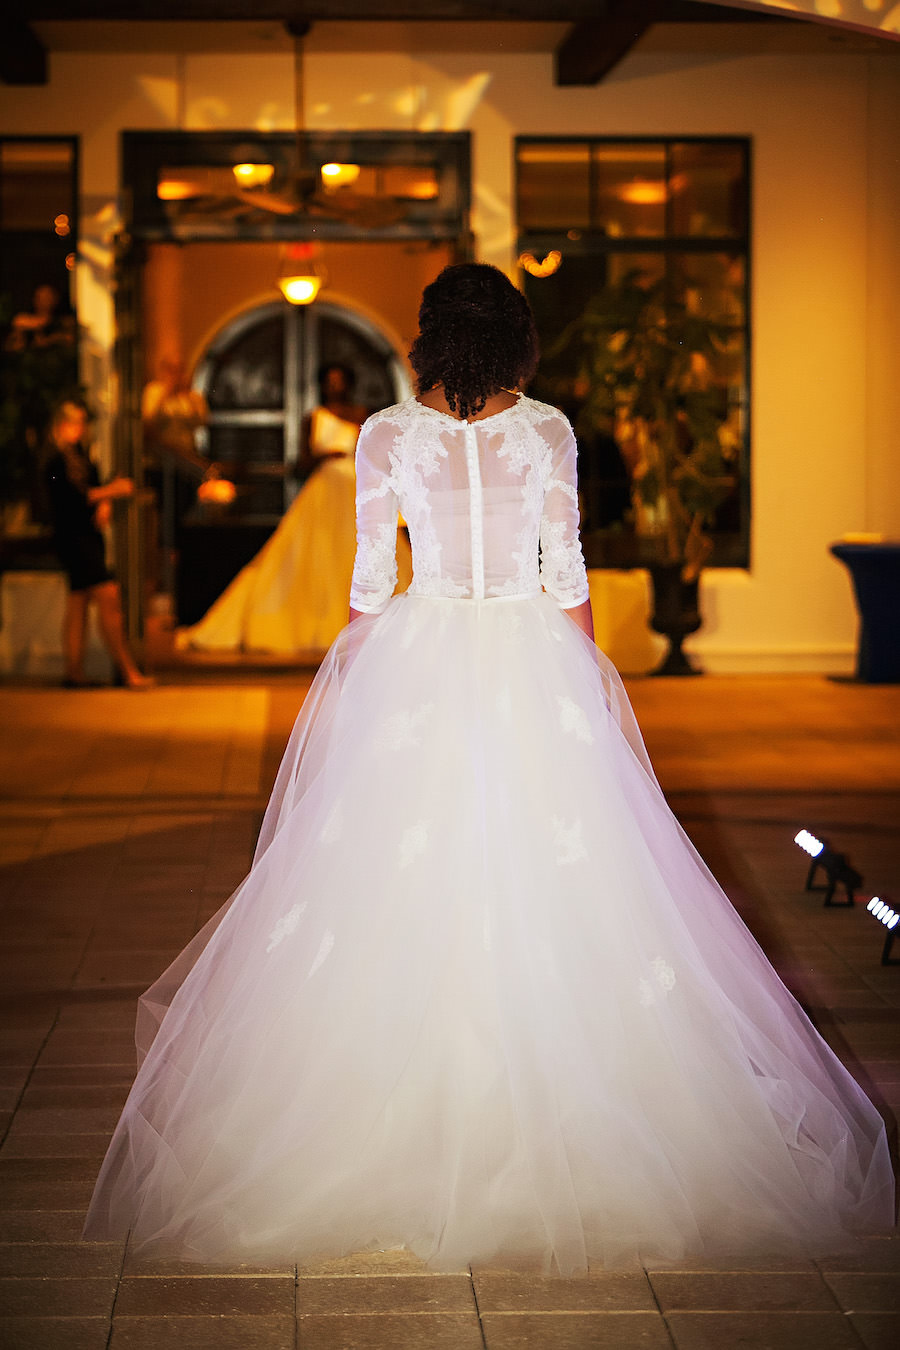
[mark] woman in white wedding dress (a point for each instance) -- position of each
(292, 597)
(479, 995)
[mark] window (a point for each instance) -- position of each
(602, 221)
(38, 218)
(277, 185)
(38, 332)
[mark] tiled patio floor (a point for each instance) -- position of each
(126, 819)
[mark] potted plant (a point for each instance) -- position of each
(645, 361)
(32, 380)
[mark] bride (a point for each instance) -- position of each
(292, 597)
(479, 995)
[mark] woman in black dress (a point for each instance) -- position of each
(79, 504)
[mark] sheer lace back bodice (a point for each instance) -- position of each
(491, 505)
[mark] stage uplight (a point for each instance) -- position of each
(837, 869)
(886, 914)
(809, 843)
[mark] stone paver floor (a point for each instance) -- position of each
(125, 820)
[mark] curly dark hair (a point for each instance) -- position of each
(476, 336)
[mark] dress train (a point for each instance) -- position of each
(292, 597)
(480, 996)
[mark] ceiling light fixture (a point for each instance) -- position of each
(301, 277)
(251, 175)
(339, 175)
(643, 192)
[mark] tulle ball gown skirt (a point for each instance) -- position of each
(479, 996)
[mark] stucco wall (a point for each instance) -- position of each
(826, 198)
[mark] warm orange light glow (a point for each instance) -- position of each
(253, 175)
(175, 190)
(300, 290)
(409, 182)
(424, 191)
(643, 192)
(301, 278)
(70, 262)
(546, 268)
(339, 175)
(221, 491)
(61, 226)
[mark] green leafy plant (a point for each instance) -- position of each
(644, 364)
(32, 381)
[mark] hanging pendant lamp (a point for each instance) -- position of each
(301, 276)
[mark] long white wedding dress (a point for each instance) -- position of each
(479, 995)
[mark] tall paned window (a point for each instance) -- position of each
(38, 329)
(634, 256)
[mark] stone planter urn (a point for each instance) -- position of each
(675, 614)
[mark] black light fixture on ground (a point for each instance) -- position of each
(837, 869)
(838, 872)
(886, 914)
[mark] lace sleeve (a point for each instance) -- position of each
(375, 568)
(563, 573)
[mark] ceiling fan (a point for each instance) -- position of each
(304, 190)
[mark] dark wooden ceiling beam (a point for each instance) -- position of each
(593, 47)
(565, 11)
(23, 59)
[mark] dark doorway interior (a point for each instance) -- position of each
(259, 378)
(256, 360)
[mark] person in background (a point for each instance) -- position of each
(321, 438)
(292, 597)
(40, 367)
(80, 505)
(44, 326)
(171, 413)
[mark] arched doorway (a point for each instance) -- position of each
(420, 182)
(259, 377)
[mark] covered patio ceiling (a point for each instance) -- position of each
(588, 37)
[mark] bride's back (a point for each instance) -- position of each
(479, 498)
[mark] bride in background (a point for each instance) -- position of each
(292, 597)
